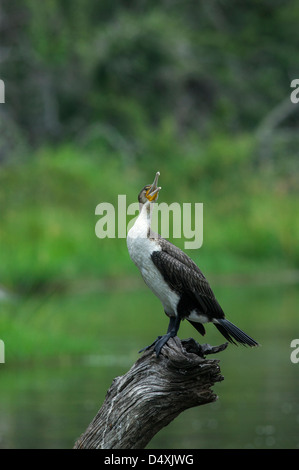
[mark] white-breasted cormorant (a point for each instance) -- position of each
(175, 279)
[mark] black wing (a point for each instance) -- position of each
(178, 254)
(185, 277)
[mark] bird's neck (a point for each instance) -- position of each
(142, 226)
(145, 212)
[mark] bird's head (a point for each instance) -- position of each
(150, 192)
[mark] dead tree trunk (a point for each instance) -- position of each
(151, 394)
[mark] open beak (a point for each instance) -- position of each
(153, 192)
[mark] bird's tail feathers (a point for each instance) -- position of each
(232, 333)
(198, 326)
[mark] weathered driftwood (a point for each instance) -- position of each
(152, 393)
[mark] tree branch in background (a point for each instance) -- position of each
(269, 125)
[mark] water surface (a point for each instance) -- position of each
(48, 405)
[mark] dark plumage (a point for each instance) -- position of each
(184, 276)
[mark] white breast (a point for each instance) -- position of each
(140, 249)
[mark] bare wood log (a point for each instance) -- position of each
(152, 393)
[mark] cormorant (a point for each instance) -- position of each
(175, 279)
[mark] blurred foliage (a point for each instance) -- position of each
(48, 218)
(210, 66)
(101, 95)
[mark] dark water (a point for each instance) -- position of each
(50, 405)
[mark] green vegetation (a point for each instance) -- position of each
(99, 96)
(57, 269)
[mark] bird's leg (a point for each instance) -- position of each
(173, 327)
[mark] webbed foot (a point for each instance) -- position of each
(158, 343)
(148, 347)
